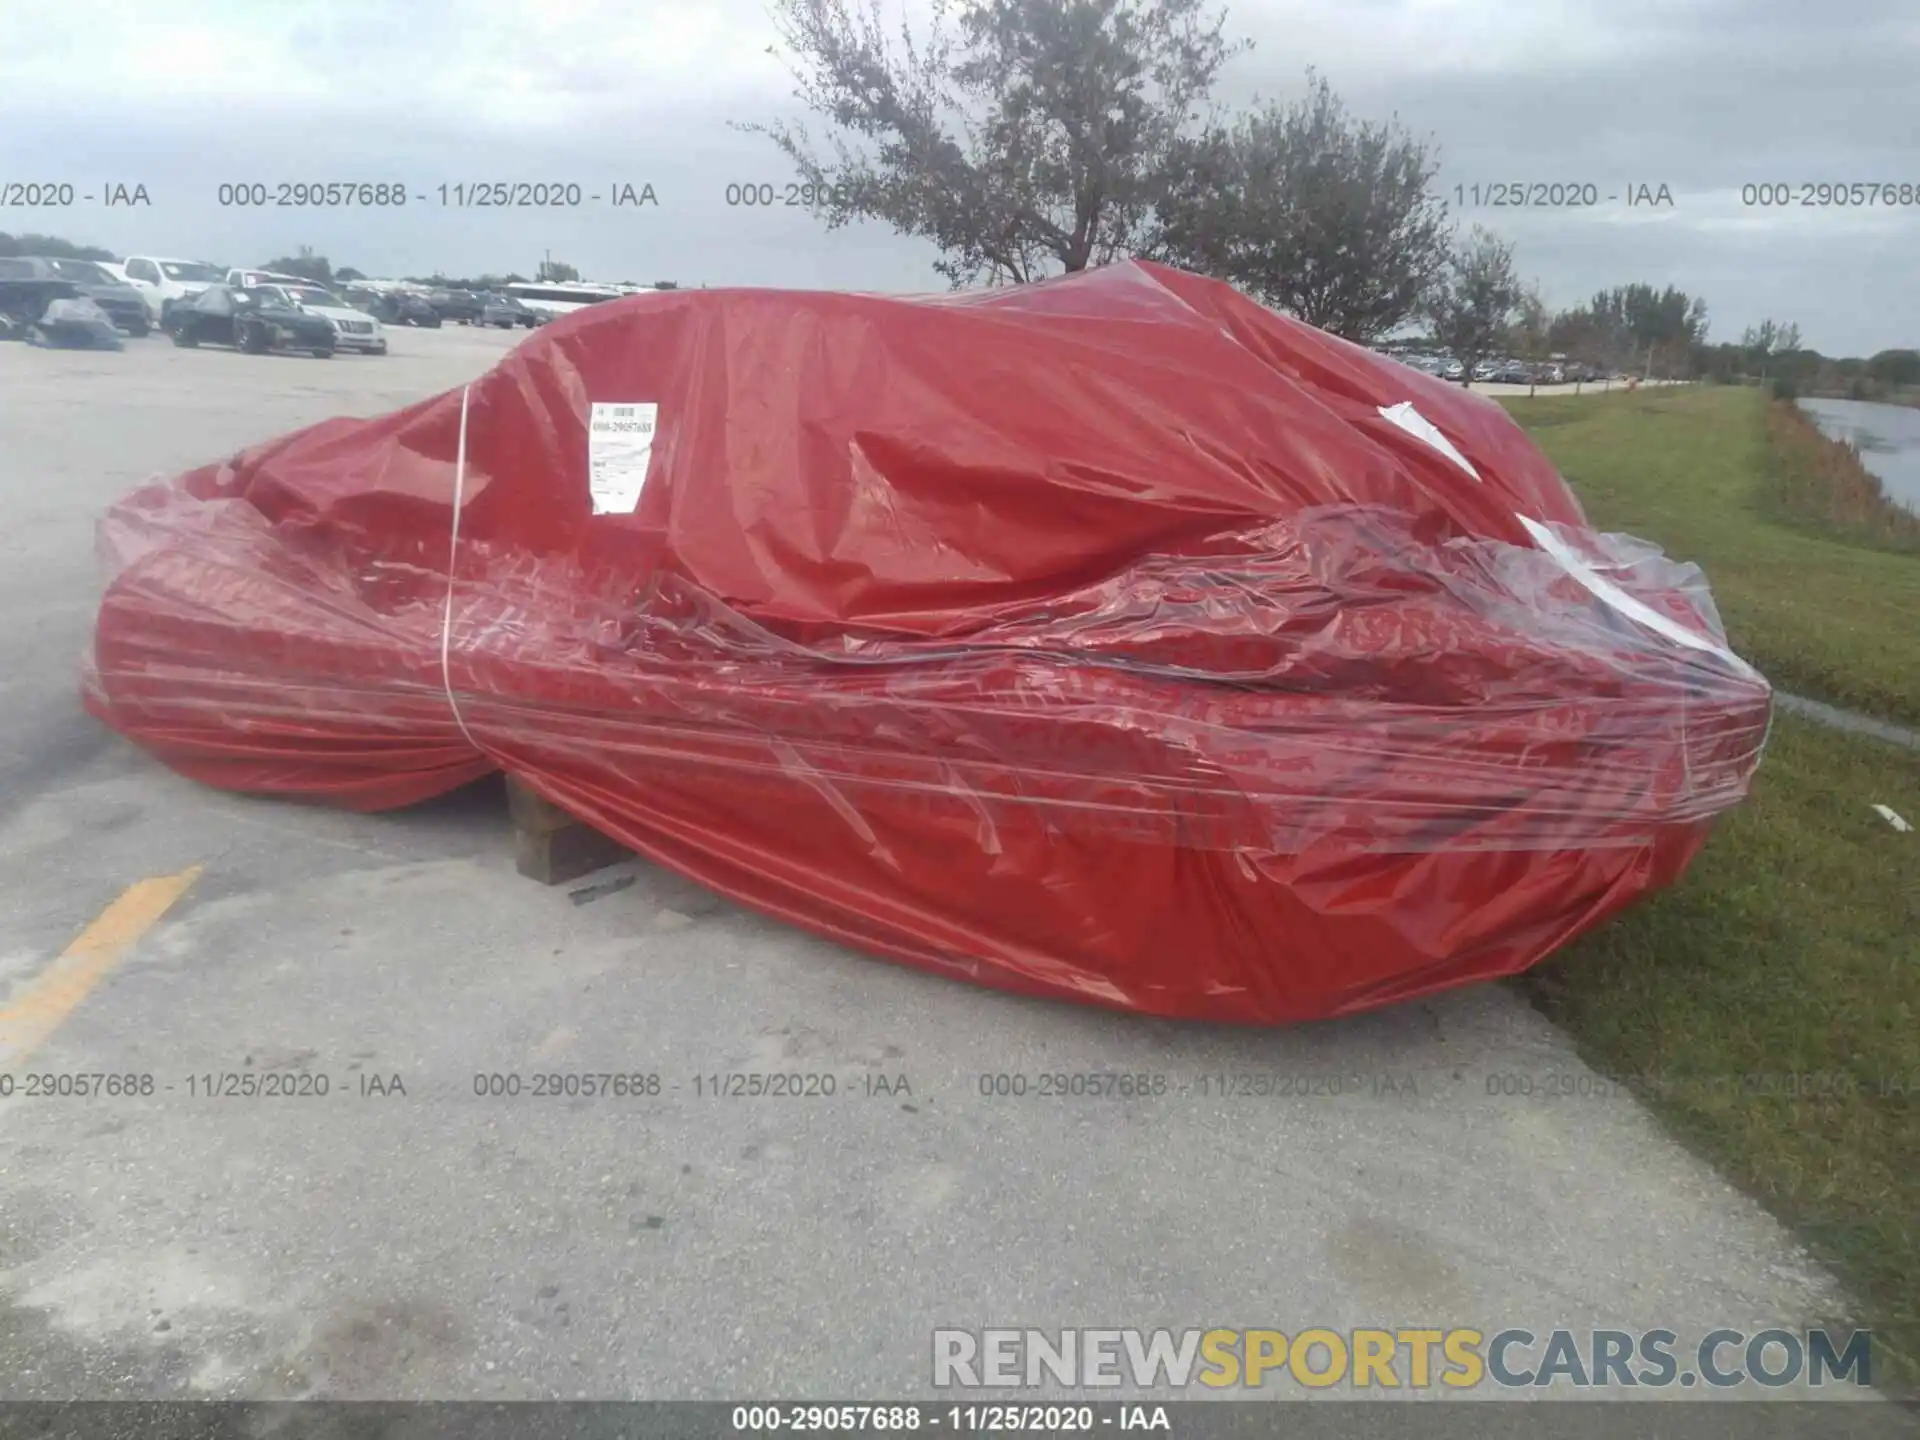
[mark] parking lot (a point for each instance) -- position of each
(401, 1236)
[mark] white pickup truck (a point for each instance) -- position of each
(244, 279)
(164, 282)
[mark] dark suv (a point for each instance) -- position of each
(398, 307)
(121, 301)
(462, 306)
(506, 313)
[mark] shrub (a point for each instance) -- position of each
(1823, 480)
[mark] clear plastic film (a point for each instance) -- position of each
(73, 323)
(1104, 638)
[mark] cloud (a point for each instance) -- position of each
(1702, 96)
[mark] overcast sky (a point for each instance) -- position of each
(1702, 96)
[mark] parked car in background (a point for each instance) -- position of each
(255, 320)
(1486, 371)
(461, 306)
(409, 309)
(1515, 372)
(352, 329)
(246, 279)
(75, 323)
(24, 298)
(506, 312)
(1452, 370)
(393, 307)
(120, 302)
(163, 282)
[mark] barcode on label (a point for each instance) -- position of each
(619, 454)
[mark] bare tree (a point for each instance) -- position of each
(1474, 301)
(1315, 212)
(1043, 135)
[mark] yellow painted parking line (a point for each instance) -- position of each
(57, 991)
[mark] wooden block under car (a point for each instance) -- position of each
(551, 845)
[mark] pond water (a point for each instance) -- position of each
(1888, 437)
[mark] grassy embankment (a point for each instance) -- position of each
(1816, 588)
(1789, 958)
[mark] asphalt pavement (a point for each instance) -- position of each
(384, 1231)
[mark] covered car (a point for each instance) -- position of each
(25, 293)
(74, 323)
(255, 320)
(121, 302)
(1110, 638)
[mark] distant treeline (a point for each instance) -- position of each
(1890, 377)
(53, 246)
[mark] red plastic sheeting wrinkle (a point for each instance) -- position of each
(1111, 638)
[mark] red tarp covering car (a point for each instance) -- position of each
(1111, 638)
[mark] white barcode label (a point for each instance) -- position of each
(619, 451)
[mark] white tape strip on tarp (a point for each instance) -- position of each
(1407, 418)
(1633, 609)
(453, 556)
(1421, 428)
(620, 449)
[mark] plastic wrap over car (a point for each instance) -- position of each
(24, 300)
(1110, 638)
(75, 323)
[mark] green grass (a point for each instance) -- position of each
(1820, 612)
(1788, 959)
(1822, 485)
